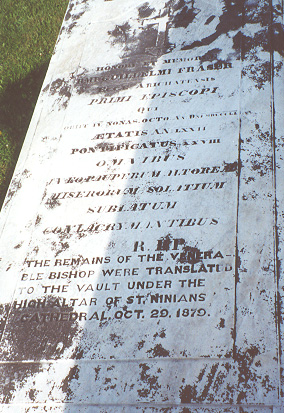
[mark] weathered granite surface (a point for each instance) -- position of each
(141, 240)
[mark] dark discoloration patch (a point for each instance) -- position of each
(52, 203)
(126, 75)
(213, 377)
(14, 374)
(221, 324)
(75, 11)
(263, 136)
(278, 38)
(145, 11)
(116, 340)
(188, 394)
(249, 179)
(35, 339)
(164, 243)
(108, 384)
(63, 246)
(259, 72)
(245, 361)
(230, 20)
(65, 386)
(232, 167)
(270, 37)
(68, 13)
(189, 255)
(15, 186)
(38, 220)
(141, 344)
(121, 34)
(262, 165)
(200, 375)
(151, 382)
(184, 13)
(211, 55)
(97, 370)
(161, 334)
(158, 351)
(140, 49)
(209, 20)
(62, 89)
(79, 354)
(18, 246)
(4, 311)
(32, 394)
(250, 196)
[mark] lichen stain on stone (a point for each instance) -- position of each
(65, 386)
(141, 344)
(164, 243)
(13, 376)
(38, 220)
(189, 255)
(97, 370)
(137, 47)
(184, 12)
(150, 382)
(232, 167)
(230, 20)
(33, 340)
(158, 351)
(145, 11)
(221, 324)
(259, 72)
(72, 17)
(262, 165)
(63, 246)
(116, 340)
(161, 334)
(264, 137)
(62, 89)
(188, 394)
(108, 385)
(250, 196)
(212, 380)
(15, 186)
(116, 79)
(211, 55)
(32, 394)
(139, 50)
(199, 392)
(18, 245)
(36, 339)
(4, 312)
(200, 375)
(52, 203)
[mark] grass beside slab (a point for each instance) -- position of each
(28, 32)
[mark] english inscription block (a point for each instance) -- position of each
(141, 237)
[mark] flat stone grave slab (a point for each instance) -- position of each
(142, 234)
